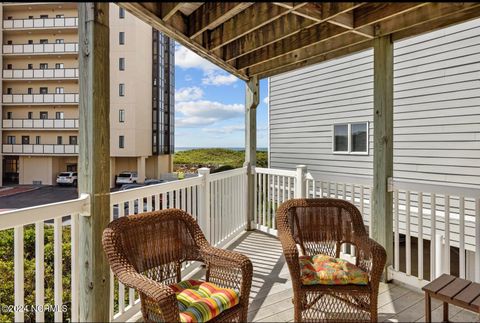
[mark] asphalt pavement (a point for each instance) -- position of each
(42, 195)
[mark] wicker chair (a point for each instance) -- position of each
(321, 226)
(146, 252)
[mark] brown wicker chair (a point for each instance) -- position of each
(146, 252)
(314, 226)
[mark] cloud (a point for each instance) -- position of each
(266, 100)
(188, 94)
(212, 74)
(216, 78)
(225, 130)
(205, 113)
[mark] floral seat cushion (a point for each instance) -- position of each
(325, 270)
(199, 301)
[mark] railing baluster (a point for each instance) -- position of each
(57, 267)
(477, 239)
(462, 237)
(283, 189)
(397, 232)
(446, 264)
(420, 235)
(256, 198)
(433, 231)
(408, 241)
(289, 192)
(40, 270)
(362, 205)
(18, 275)
(264, 200)
(75, 283)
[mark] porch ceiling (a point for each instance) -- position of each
(267, 38)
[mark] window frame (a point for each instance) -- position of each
(121, 89)
(121, 142)
(121, 38)
(121, 115)
(121, 13)
(349, 138)
(121, 63)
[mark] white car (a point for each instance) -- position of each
(126, 178)
(67, 178)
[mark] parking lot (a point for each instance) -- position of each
(43, 195)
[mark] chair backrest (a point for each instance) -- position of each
(154, 243)
(320, 225)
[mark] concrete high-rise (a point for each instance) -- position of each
(39, 110)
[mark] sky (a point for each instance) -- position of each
(210, 105)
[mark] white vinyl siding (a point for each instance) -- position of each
(436, 117)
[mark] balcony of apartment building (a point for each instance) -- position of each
(236, 209)
(39, 149)
(40, 124)
(41, 23)
(40, 74)
(40, 98)
(42, 48)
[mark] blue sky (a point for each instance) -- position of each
(210, 104)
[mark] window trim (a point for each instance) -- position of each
(349, 138)
(121, 142)
(121, 115)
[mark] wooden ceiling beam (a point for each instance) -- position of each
(307, 37)
(212, 14)
(168, 9)
(321, 48)
(252, 18)
(149, 17)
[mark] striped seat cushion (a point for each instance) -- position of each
(325, 270)
(200, 301)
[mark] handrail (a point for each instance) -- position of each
(32, 23)
(39, 73)
(22, 123)
(14, 218)
(271, 171)
(450, 189)
(41, 98)
(74, 149)
(41, 48)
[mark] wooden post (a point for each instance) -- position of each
(204, 203)
(252, 92)
(94, 159)
(382, 217)
(300, 187)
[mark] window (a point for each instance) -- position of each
(59, 41)
(30, 41)
(43, 115)
(59, 65)
(121, 13)
(9, 42)
(43, 41)
(30, 115)
(121, 38)
(30, 17)
(59, 90)
(9, 18)
(44, 90)
(25, 140)
(350, 138)
(121, 115)
(121, 64)
(43, 16)
(9, 90)
(58, 115)
(121, 89)
(30, 66)
(59, 140)
(9, 115)
(60, 16)
(72, 140)
(43, 66)
(121, 142)
(11, 140)
(30, 90)
(37, 140)
(9, 66)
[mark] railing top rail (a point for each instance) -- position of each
(141, 192)
(65, 43)
(41, 119)
(335, 178)
(41, 69)
(39, 18)
(450, 189)
(227, 174)
(30, 215)
(279, 172)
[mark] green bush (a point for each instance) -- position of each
(216, 157)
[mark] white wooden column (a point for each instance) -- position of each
(94, 159)
(382, 217)
(252, 92)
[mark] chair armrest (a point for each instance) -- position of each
(290, 251)
(228, 269)
(159, 301)
(371, 257)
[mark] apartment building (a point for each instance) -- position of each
(40, 111)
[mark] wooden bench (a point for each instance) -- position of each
(451, 290)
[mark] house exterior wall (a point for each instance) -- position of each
(436, 109)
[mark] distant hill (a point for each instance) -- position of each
(215, 157)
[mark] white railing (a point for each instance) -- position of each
(48, 98)
(48, 48)
(39, 149)
(49, 73)
(63, 217)
(40, 123)
(220, 195)
(40, 23)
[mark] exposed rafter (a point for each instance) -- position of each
(168, 9)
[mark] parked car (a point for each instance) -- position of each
(126, 178)
(67, 178)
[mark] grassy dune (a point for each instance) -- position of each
(216, 157)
